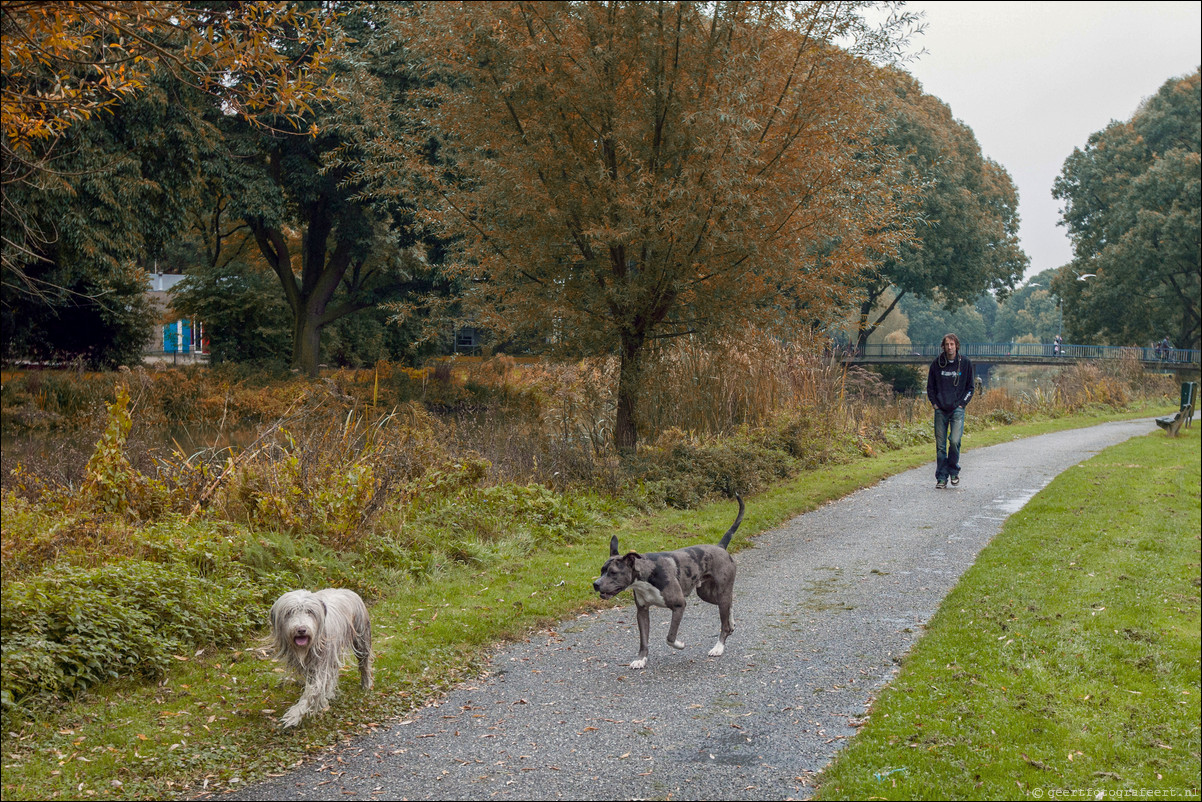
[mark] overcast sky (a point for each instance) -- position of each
(1034, 79)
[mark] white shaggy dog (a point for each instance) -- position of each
(310, 632)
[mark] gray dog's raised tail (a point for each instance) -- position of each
(725, 541)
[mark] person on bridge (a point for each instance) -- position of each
(949, 389)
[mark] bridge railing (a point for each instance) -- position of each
(1001, 351)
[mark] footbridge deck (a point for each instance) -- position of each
(1176, 359)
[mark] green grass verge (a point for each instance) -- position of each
(210, 724)
(1066, 661)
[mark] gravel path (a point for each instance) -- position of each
(824, 608)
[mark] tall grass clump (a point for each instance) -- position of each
(542, 422)
(329, 468)
(737, 413)
(713, 386)
(1109, 383)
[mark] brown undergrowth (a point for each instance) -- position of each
(373, 479)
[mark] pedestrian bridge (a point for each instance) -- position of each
(1175, 359)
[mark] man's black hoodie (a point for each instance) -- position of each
(949, 382)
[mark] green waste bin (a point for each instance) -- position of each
(1189, 401)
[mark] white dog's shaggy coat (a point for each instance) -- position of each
(310, 632)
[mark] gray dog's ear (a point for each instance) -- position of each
(641, 566)
(613, 546)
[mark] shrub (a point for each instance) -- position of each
(111, 485)
(900, 435)
(330, 471)
(66, 630)
(686, 472)
(904, 379)
(180, 586)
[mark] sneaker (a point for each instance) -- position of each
(942, 483)
(955, 480)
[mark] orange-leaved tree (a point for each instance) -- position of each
(66, 62)
(619, 173)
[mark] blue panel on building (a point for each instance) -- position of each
(172, 342)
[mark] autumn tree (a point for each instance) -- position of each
(66, 64)
(620, 173)
(961, 205)
(335, 251)
(1131, 198)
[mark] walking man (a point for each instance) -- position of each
(949, 389)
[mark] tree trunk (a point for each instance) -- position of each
(320, 276)
(630, 379)
(865, 329)
(306, 344)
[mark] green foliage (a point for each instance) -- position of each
(900, 435)
(355, 251)
(904, 379)
(71, 628)
(180, 586)
(682, 471)
(486, 526)
(96, 318)
(116, 193)
(244, 314)
(1131, 199)
(999, 417)
(930, 320)
(333, 470)
(962, 206)
(1031, 310)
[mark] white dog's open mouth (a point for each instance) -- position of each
(301, 640)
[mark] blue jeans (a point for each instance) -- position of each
(949, 428)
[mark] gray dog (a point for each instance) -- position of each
(666, 578)
(310, 632)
